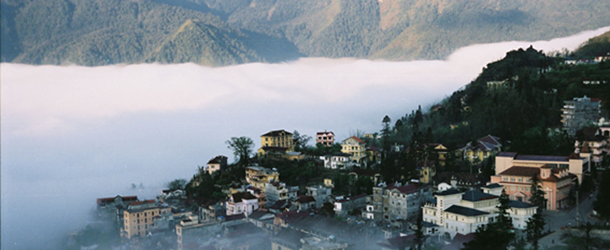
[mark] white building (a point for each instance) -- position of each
(463, 212)
(336, 160)
(240, 203)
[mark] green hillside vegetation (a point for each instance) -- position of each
(597, 46)
(99, 32)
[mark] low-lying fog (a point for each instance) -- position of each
(71, 134)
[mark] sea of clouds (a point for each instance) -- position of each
(71, 134)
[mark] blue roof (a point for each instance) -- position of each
(464, 211)
(520, 204)
(449, 192)
(477, 195)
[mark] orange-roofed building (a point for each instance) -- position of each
(355, 147)
(556, 184)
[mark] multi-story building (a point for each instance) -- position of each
(574, 163)
(336, 160)
(355, 147)
(594, 145)
(396, 202)
(259, 176)
(325, 138)
(463, 212)
(276, 141)
(555, 182)
(138, 217)
(241, 203)
(217, 163)
(278, 191)
(578, 113)
(483, 148)
(345, 205)
(260, 196)
(320, 193)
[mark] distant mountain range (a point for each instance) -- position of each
(225, 32)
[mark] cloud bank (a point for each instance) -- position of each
(71, 134)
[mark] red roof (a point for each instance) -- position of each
(357, 139)
(408, 189)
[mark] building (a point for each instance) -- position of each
(593, 144)
(578, 113)
(457, 212)
(278, 191)
(138, 217)
(574, 163)
(320, 193)
(277, 139)
(396, 202)
(325, 138)
(304, 202)
(482, 148)
(217, 163)
(345, 205)
(259, 176)
(241, 203)
(355, 147)
(337, 160)
(114, 206)
(555, 182)
(260, 196)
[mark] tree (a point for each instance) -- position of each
(419, 234)
(176, 184)
(535, 225)
(242, 149)
(385, 134)
(602, 203)
(300, 141)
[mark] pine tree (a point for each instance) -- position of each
(535, 225)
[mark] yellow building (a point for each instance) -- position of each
(278, 138)
(259, 176)
(355, 147)
(482, 149)
(138, 217)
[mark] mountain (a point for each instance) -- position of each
(224, 32)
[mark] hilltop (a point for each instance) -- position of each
(225, 32)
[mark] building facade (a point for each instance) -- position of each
(555, 182)
(138, 217)
(326, 138)
(574, 163)
(337, 160)
(241, 203)
(578, 113)
(355, 147)
(278, 138)
(217, 163)
(278, 191)
(259, 176)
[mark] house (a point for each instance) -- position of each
(578, 113)
(457, 212)
(217, 163)
(277, 139)
(336, 160)
(262, 219)
(343, 206)
(520, 212)
(325, 138)
(592, 144)
(481, 148)
(260, 196)
(320, 193)
(555, 182)
(356, 173)
(574, 163)
(259, 176)
(278, 191)
(304, 202)
(355, 147)
(114, 206)
(427, 170)
(396, 202)
(138, 217)
(212, 211)
(241, 203)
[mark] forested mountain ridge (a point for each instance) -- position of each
(222, 32)
(518, 98)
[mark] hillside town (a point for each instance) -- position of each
(439, 210)
(544, 188)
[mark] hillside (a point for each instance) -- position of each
(223, 32)
(518, 99)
